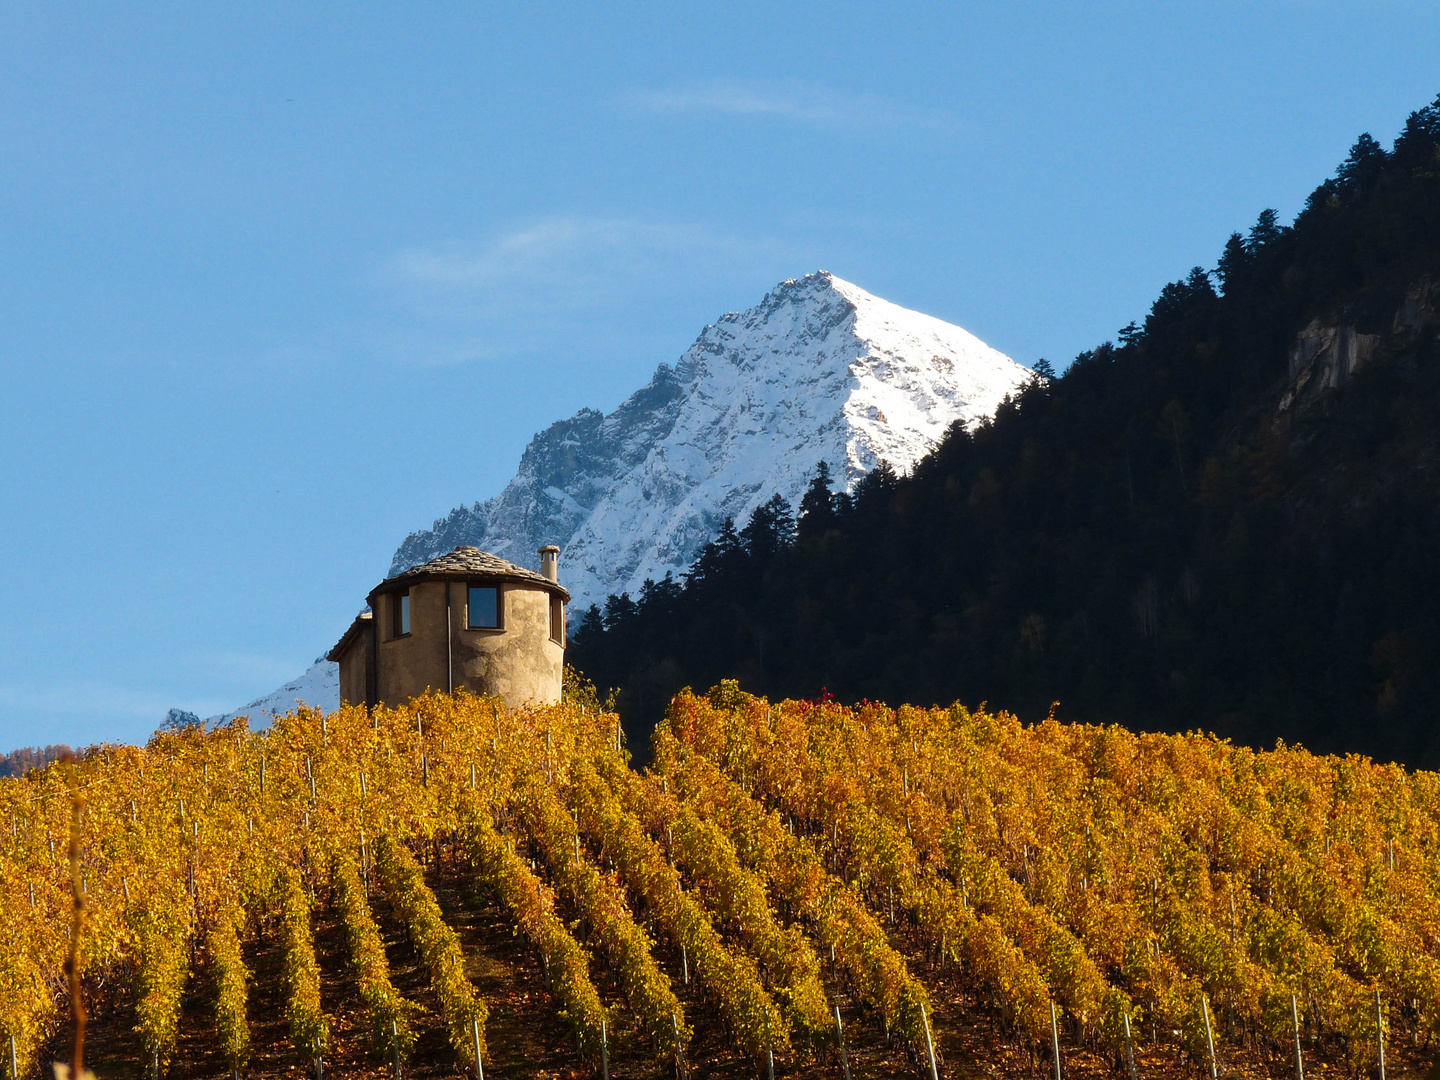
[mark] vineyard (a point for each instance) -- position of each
(792, 889)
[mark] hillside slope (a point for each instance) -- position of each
(1229, 520)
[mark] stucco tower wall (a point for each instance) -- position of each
(353, 662)
(410, 665)
(518, 662)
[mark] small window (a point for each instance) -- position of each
(400, 614)
(484, 608)
(557, 620)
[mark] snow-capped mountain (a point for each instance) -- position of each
(818, 369)
(319, 686)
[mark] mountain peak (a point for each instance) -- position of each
(818, 369)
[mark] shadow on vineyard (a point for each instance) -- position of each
(411, 885)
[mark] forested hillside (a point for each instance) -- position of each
(1226, 520)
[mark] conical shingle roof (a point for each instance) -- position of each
(469, 562)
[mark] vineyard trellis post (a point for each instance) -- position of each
(1380, 1032)
(769, 1050)
(1130, 1050)
(930, 1045)
(1055, 1039)
(1299, 1059)
(840, 1038)
(604, 1052)
(395, 1046)
(14, 1061)
(475, 1031)
(679, 1050)
(1209, 1037)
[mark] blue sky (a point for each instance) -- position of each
(281, 283)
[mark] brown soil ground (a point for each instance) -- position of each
(527, 1038)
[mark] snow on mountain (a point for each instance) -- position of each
(818, 369)
(319, 687)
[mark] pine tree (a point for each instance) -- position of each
(1233, 262)
(1364, 165)
(817, 505)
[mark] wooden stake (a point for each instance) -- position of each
(840, 1038)
(679, 1050)
(1209, 1037)
(1380, 1032)
(1299, 1060)
(1055, 1039)
(930, 1045)
(769, 1051)
(604, 1053)
(395, 1046)
(475, 1030)
(1130, 1050)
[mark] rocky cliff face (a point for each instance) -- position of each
(818, 369)
(1332, 348)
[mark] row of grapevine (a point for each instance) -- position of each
(733, 893)
(1174, 883)
(602, 904)
(464, 1009)
(309, 1026)
(754, 1022)
(567, 966)
(391, 1036)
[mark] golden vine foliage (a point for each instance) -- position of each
(1120, 876)
(389, 1012)
(533, 909)
(231, 985)
(732, 977)
(465, 1012)
(309, 1027)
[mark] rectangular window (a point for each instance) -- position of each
(484, 608)
(557, 620)
(400, 614)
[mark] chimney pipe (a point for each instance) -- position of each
(550, 562)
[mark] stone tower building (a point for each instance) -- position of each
(466, 619)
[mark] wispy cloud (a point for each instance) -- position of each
(583, 250)
(801, 103)
(553, 282)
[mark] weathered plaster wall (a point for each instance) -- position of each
(519, 662)
(353, 669)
